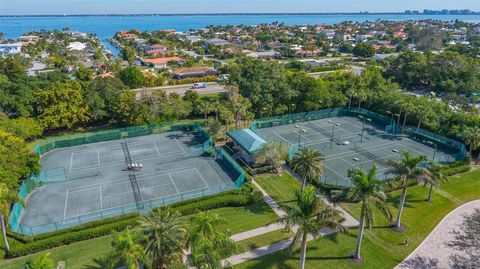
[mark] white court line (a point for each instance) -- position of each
(158, 151)
(180, 145)
(128, 192)
(171, 179)
(65, 209)
(149, 176)
(101, 198)
(121, 162)
(282, 138)
(206, 185)
(75, 218)
(98, 156)
(115, 144)
(71, 161)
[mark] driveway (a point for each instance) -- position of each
(212, 87)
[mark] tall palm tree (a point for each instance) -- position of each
(309, 164)
(406, 168)
(368, 190)
(309, 213)
(208, 243)
(42, 262)
(273, 153)
(126, 251)
(7, 196)
(433, 177)
(204, 224)
(468, 138)
(227, 116)
(164, 237)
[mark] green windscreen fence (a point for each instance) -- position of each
(47, 176)
(239, 173)
(458, 149)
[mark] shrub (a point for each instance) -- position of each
(32, 244)
(456, 170)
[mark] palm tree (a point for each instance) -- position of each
(208, 243)
(7, 197)
(100, 263)
(406, 168)
(126, 251)
(309, 164)
(227, 116)
(473, 136)
(164, 237)
(309, 213)
(368, 190)
(433, 177)
(273, 153)
(468, 137)
(42, 262)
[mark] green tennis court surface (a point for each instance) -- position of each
(347, 150)
(92, 181)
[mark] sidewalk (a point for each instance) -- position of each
(281, 245)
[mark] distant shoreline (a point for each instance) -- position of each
(236, 14)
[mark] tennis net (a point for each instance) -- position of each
(126, 153)
(136, 190)
(319, 129)
(369, 155)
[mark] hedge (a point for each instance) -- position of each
(456, 170)
(29, 245)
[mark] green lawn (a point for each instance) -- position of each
(76, 255)
(382, 247)
(262, 240)
(239, 219)
(281, 188)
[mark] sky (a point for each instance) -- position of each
(47, 7)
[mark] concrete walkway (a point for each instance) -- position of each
(281, 245)
(349, 221)
(433, 253)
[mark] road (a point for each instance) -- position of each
(212, 87)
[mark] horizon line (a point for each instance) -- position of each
(232, 14)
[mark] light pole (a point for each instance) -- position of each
(436, 148)
(391, 119)
(363, 125)
(333, 131)
(300, 131)
(290, 108)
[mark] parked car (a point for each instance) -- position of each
(200, 85)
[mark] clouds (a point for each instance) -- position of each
(8, 7)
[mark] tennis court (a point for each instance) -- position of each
(93, 181)
(352, 143)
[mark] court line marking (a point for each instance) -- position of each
(155, 144)
(71, 161)
(101, 198)
(121, 162)
(74, 219)
(180, 145)
(204, 182)
(65, 209)
(171, 179)
(149, 176)
(115, 144)
(98, 156)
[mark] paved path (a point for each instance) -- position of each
(262, 251)
(432, 253)
(349, 220)
(212, 87)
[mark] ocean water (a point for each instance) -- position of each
(106, 26)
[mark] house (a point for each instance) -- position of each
(107, 75)
(314, 62)
(157, 53)
(193, 38)
(78, 46)
(194, 72)
(161, 62)
(28, 38)
(307, 53)
(246, 143)
(10, 49)
(264, 54)
(217, 41)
